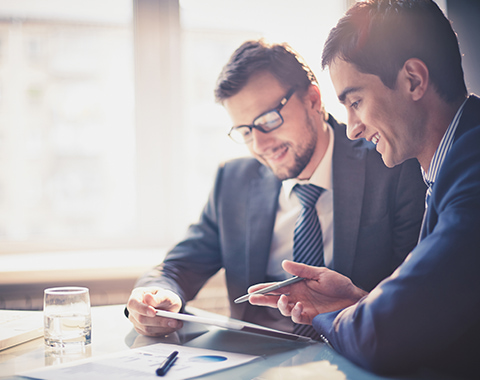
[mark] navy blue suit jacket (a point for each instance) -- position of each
(377, 218)
(428, 312)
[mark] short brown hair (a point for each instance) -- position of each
(255, 56)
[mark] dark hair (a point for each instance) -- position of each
(253, 57)
(379, 36)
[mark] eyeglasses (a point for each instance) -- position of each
(266, 122)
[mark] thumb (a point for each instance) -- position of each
(299, 269)
(152, 299)
(163, 299)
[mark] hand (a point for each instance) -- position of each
(323, 291)
(141, 308)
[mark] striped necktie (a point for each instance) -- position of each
(307, 239)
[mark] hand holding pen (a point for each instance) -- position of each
(323, 290)
(270, 288)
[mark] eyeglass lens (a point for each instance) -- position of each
(269, 120)
(265, 123)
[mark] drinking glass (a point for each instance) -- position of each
(67, 317)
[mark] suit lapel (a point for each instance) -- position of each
(470, 116)
(349, 167)
(468, 120)
(261, 213)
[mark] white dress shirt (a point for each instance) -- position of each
(289, 209)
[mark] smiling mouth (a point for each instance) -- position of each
(278, 153)
(375, 138)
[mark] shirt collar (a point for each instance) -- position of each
(442, 150)
(322, 176)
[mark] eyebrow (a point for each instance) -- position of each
(347, 91)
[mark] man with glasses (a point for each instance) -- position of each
(369, 216)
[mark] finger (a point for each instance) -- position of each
(150, 330)
(284, 306)
(262, 300)
(164, 300)
(137, 306)
(257, 287)
(296, 313)
(163, 322)
(302, 270)
(152, 300)
(160, 322)
(160, 302)
(154, 326)
(141, 306)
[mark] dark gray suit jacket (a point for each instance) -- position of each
(377, 218)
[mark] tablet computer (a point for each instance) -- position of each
(233, 324)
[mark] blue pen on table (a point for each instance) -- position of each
(276, 286)
(167, 363)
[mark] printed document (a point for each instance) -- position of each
(142, 363)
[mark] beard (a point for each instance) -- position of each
(301, 160)
(302, 154)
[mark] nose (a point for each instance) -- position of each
(260, 141)
(355, 127)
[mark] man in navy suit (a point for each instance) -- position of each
(370, 215)
(396, 67)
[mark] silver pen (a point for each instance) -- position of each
(276, 286)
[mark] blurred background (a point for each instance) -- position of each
(109, 133)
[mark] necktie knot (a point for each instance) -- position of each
(308, 194)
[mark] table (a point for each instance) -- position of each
(112, 332)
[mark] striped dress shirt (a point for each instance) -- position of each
(440, 154)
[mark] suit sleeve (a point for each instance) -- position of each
(195, 259)
(426, 312)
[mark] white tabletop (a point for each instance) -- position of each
(112, 332)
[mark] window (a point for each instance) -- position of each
(66, 124)
(109, 133)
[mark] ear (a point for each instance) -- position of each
(313, 98)
(416, 77)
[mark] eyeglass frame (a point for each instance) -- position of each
(277, 110)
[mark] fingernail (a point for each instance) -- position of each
(172, 324)
(151, 313)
